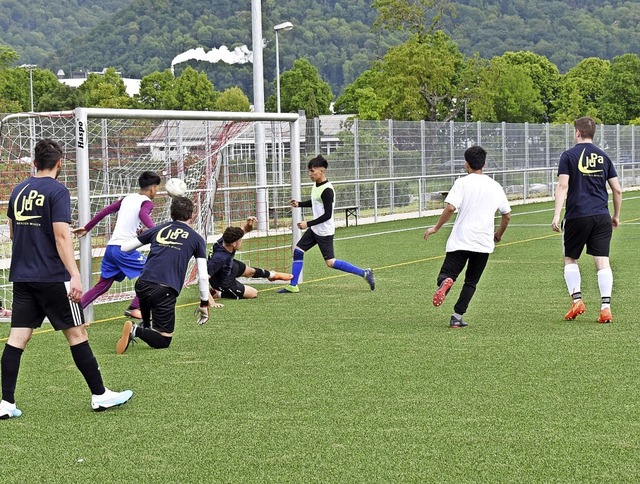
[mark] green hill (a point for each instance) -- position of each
(142, 36)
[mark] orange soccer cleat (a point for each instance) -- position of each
(577, 308)
(279, 276)
(605, 316)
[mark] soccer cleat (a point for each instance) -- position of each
(368, 275)
(109, 399)
(577, 308)
(457, 323)
(126, 338)
(289, 289)
(133, 313)
(279, 276)
(441, 293)
(605, 316)
(8, 410)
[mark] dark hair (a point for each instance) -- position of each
(148, 179)
(47, 154)
(232, 234)
(476, 157)
(318, 162)
(586, 126)
(181, 209)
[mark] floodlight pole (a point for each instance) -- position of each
(258, 107)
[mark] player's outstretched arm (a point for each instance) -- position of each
(446, 214)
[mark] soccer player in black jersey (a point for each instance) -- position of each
(584, 172)
(173, 244)
(46, 279)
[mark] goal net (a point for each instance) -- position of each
(235, 165)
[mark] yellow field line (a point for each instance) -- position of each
(327, 278)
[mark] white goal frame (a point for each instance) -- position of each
(81, 116)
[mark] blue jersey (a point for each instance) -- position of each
(172, 246)
(588, 168)
(220, 264)
(34, 206)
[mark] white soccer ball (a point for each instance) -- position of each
(176, 187)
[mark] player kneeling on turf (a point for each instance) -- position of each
(172, 246)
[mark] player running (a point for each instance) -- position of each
(321, 228)
(134, 211)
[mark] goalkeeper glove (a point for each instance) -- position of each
(202, 312)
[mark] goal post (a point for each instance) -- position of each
(215, 153)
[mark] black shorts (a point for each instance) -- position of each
(594, 231)
(33, 301)
(230, 287)
(325, 243)
(157, 304)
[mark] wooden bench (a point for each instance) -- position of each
(351, 211)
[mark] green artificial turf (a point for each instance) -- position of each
(339, 383)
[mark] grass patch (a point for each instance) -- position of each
(342, 384)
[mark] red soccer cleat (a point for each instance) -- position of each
(605, 316)
(577, 308)
(441, 293)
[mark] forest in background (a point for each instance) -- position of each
(143, 36)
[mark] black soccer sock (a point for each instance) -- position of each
(88, 366)
(152, 338)
(10, 366)
(261, 273)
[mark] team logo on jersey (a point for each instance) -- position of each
(589, 164)
(27, 203)
(172, 237)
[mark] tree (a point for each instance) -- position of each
(7, 56)
(157, 91)
(423, 79)
(15, 88)
(60, 98)
(620, 100)
(543, 73)
(194, 91)
(506, 93)
(580, 91)
(351, 100)
(302, 88)
(420, 17)
(105, 90)
(233, 99)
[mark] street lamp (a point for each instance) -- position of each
(284, 27)
(31, 67)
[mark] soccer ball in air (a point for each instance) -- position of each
(175, 187)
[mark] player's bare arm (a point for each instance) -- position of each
(64, 246)
(561, 194)
(448, 211)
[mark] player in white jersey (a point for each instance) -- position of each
(133, 211)
(476, 197)
(321, 228)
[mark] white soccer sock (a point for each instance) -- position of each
(605, 283)
(572, 278)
